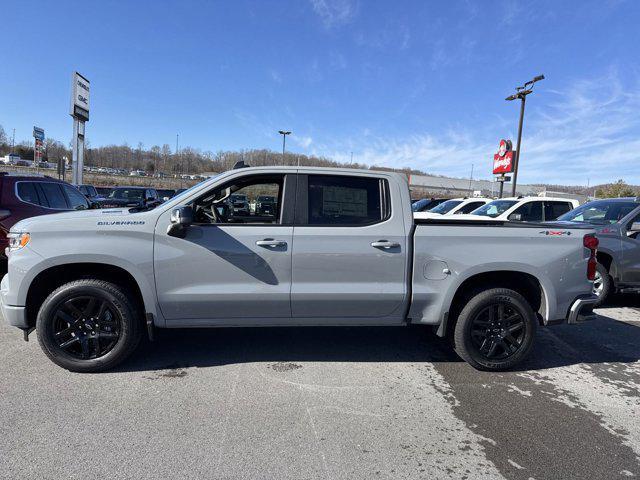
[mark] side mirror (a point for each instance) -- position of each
(181, 218)
(633, 228)
(516, 217)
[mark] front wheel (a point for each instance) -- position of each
(495, 330)
(88, 326)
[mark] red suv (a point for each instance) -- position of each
(25, 196)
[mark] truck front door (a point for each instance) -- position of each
(232, 266)
(349, 251)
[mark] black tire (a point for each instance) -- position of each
(606, 284)
(88, 314)
(477, 324)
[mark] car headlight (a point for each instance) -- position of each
(17, 240)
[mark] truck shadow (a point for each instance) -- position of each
(603, 340)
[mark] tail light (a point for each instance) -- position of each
(591, 242)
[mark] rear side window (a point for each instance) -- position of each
(27, 192)
(53, 195)
(553, 210)
(77, 201)
(344, 200)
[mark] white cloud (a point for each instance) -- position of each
(334, 13)
(303, 141)
(587, 131)
(275, 76)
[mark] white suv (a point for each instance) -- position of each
(523, 209)
(455, 206)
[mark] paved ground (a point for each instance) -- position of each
(328, 403)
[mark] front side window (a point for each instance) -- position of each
(469, 207)
(529, 212)
(242, 202)
(344, 200)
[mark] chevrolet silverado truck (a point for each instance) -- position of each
(341, 248)
(617, 225)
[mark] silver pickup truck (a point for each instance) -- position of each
(341, 247)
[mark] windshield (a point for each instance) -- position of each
(263, 198)
(600, 212)
(445, 207)
(495, 208)
(420, 204)
(127, 193)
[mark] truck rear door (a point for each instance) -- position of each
(349, 250)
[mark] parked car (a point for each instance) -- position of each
(454, 206)
(166, 193)
(90, 192)
(239, 204)
(426, 204)
(104, 191)
(266, 205)
(523, 209)
(617, 224)
(343, 250)
(136, 197)
(29, 196)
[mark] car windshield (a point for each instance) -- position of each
(263, 198)
(127, 193)
(599, 212)
(239, 198)
(419, 205)
(495, 208)
(445, 207)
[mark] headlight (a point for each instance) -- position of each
(18, 240)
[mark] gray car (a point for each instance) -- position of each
(343, 249)
(617, 225)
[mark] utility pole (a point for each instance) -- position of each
(521, 93)
(351, 162)
(284, 134)
(13, 140)
(470, 179)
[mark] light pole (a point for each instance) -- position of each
(284, 134)
(521, 93)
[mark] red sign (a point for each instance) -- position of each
(39, 147)
(503, 160)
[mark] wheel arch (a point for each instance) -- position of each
(53, 276)
(526, 284)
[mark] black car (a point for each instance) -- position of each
(166, 193)
(136, 197)
(265, 205)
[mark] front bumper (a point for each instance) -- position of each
(13, 315)
(582, 309)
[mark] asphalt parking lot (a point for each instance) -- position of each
(330, 403)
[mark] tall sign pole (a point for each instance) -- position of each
(38, 145)
(80, 113)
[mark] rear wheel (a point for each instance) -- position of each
(495, 330)
(601, 284)
(88, 326)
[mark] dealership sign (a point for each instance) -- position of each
(38, 147)
(503, 160)
(79, 97)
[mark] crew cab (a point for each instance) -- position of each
(617, 225)
(523, 209)
(341, 248)
(454, 206)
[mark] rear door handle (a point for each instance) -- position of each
(385, 244)
(270, 242)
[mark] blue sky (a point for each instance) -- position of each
(407, 83)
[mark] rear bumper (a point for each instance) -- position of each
(582, 309)
(13, 315)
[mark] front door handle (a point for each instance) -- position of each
(270, 242)
(385, 244)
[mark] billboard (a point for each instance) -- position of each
(79, 97)
(38, 147)
(503, 160)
